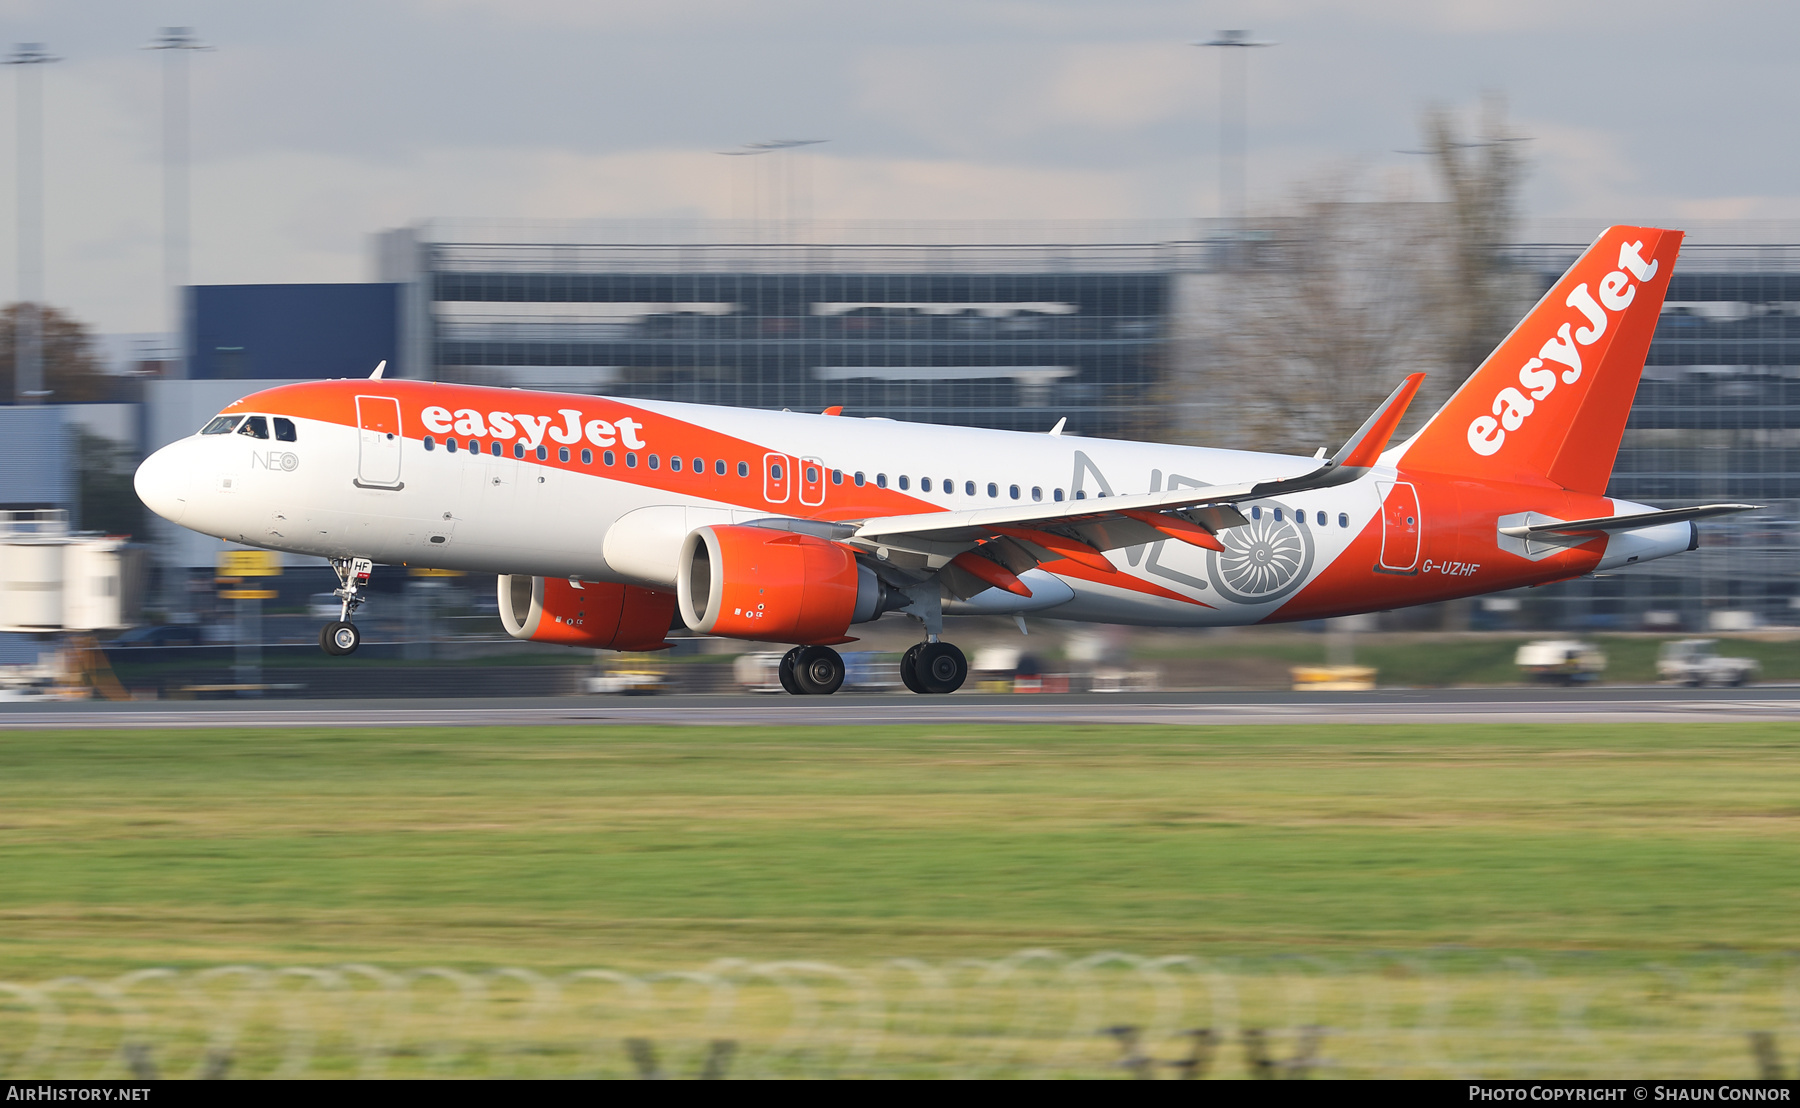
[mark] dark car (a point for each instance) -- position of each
(167, 634)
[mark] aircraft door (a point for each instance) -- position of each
(777, 472)
(378, 448)
(812, 482)
(1401, 527)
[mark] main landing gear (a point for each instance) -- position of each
(934, 667)
(340, 637)
(929, 667)
(812, 671)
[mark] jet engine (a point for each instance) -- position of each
(775, 586)
(590, 614)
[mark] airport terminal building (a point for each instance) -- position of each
(1016, 327)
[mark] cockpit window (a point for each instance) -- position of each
(284, 429)
(221, 425)
(257, 427)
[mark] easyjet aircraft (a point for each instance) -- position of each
(606, 520)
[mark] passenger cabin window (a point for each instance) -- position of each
(905, 482)
(881, 480)
(1343, 519)
(655, 462)
(993, 491)
(1013, 491)
(608, 457)
(924, 484)
(587, 456)
(674, 463)
(284, 430)
(543, 452)
(562, 454)
(719, 467)
(837, 476)
(949, 487)
(257, 427)
(859, 479)
(518, 450)
(1321, 519)
(743, 469)
(431, 443)
(630, 460)
(775, 471)
(449, 444)
(699, 465)
(1037, 493)
(1056, 495)
(968, 488)
(493, 448)
(221, 425)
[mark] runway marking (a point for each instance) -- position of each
(1397, 707)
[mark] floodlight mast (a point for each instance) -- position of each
(28, 331)
(176, 43)
(790, 210)
(1234, 123)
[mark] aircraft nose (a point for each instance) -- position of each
(162, 483)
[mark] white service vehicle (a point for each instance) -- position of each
(1696, 662)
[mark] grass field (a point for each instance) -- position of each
(564, 848)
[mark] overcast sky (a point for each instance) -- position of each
(317, 123)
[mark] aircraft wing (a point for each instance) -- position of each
(1625, 523)
(1114, 521)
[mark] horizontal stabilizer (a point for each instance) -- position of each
(1626, 523)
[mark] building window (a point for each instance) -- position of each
(284, 430)
(1013, 491)
(1037, 493)
(655, 462)
(607, 457)
(743, 469)
(543, 453)
(431, 444)
(993, 491)
(256, 427)
(630, 460)
(587, 456)
(518, 450)
(881, 480)
(674, 463)
(562, 454)
(924, 484)
(905, 482)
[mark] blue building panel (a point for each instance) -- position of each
(293, 332)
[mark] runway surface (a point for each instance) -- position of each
(1611, 704)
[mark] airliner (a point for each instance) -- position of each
(608, 522)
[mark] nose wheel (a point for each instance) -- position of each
(934, 667)
(341, 637)
(812, 671)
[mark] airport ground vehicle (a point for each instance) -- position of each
(605, 521)
(1697, 662)
(1561, 661)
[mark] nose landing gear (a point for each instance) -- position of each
(341, 637)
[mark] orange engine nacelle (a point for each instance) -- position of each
(775, 586)
(593, 614)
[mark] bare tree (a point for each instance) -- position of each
(72, 373)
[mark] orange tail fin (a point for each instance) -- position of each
(1550, 402)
